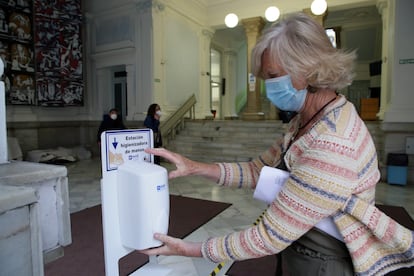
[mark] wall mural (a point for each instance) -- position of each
(58, 48)
(45, 68)
(17, 52)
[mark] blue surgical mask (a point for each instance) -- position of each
(281, 93)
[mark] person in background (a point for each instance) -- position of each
(111, 121)
(332, 164)
(152, 121)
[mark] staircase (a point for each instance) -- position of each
(225, 140)
(236, 140)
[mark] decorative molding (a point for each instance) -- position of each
(143, 5)
(253, 25)
(114, 57)
(230, 52)
(146, 5)
(381, 5)
(158, 5)
(114, 52)
(208, 33)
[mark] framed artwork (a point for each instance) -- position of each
(17, 52)
(42, 67)
(58, 50)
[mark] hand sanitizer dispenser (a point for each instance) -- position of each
(143, 203)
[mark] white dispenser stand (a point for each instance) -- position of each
(117, 149)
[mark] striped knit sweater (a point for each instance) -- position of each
(334, 171)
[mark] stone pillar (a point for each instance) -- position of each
(253, 27)
(3, 128)
(387, 16)
(148, 85)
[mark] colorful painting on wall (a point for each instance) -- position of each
(43, 67)
(16, 50)
(58, 48)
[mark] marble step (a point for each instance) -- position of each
(228, 140)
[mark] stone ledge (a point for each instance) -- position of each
(13, 197)
(21, 172)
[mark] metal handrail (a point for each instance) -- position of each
(175, 122)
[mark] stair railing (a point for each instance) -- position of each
(175, 122)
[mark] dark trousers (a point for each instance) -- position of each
(316, 254)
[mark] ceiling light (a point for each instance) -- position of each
(231, 20)
(272, 14)
(318, 7)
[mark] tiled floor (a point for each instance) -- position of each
(84, 191)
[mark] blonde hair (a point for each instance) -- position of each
(301, 47)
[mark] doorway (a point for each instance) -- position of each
(119, 86)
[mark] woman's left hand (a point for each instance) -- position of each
(174, 246)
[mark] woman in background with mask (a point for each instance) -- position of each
(152, 121)
(111, 121)
(332, 162)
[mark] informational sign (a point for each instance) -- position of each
(121, 146)
(407, 61)
(252, 82)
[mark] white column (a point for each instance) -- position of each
(149, 14)
(90, 96)
(387, 14)
(230, 73)
(3, 127)
(253, 28)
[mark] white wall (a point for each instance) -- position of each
(181, 60)
(402, 92)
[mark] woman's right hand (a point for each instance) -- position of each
(185, 166)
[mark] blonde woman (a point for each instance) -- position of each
(331, 159)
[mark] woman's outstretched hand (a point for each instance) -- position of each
(173, 246)
(185, 166)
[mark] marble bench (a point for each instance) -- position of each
(20, 238)
(50, 184)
